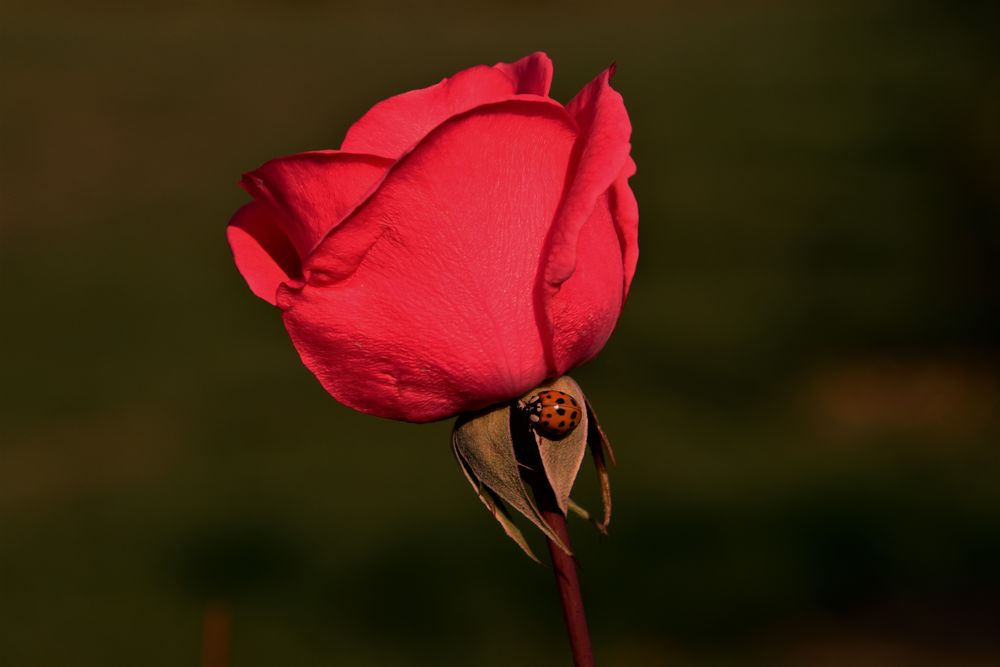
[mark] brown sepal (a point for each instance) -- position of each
(600, 450)
(502, 456)
(483, 444)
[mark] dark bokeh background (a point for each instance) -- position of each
(802, 391)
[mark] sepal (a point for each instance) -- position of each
(507, 461)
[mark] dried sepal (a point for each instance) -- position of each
(561, 459)
(600, 450)
(503, 455)
(496, 507)
(483, 444)
(578, 510)
(585, 514)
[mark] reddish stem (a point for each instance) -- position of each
(564, 567)
(216, 632)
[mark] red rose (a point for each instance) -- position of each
(467, 241)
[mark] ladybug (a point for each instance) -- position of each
(553, 413)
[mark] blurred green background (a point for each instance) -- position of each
(802, 391)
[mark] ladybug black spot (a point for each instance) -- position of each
(573, 401)
(560, 400)
(573, 416)
(561, 411)
(562, 423)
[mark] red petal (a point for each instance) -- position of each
(310, 193)
(532, 75)
(393, 126)
(586, 307)
(420, 305)
(581, 313)
(263, 254)
(603, 148)
(626, 214)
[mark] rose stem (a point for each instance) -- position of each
(564, 567)
(216, 631)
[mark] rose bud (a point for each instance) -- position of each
(466, 242)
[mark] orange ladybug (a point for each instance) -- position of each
(553, 413)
